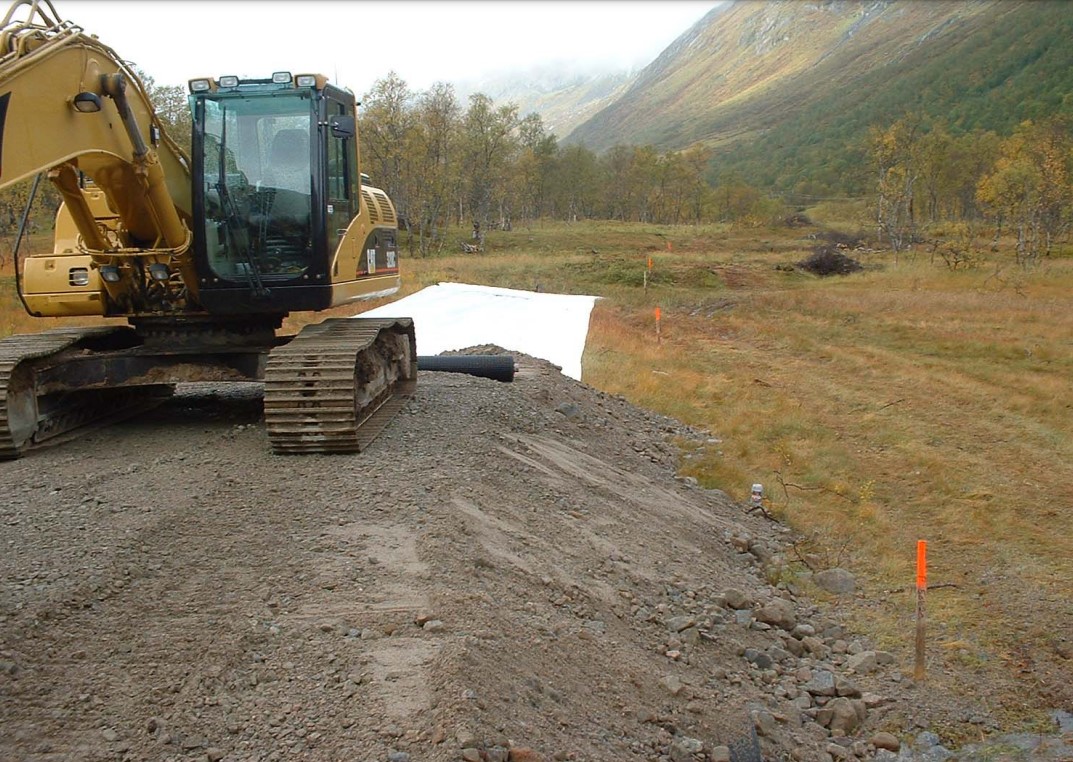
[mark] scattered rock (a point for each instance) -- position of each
(523, 754)
(466, 738)
(736, 599)
(863, 663)
(569, 410)
(779, 613)
(192, 742)
(930, 747)
(821, 684)
(846, 687)
(765, 722)
(888, 741)
(683, 748)
(672, 684)
(760, 659)
(679, 623)
(844, 717)
(837, 581)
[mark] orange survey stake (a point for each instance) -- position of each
(922, 564)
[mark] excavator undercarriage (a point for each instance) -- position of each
(331, 388)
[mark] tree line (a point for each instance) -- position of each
(445, 164)
(448, 165)
(1020, 184)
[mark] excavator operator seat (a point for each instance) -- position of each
(288, 163)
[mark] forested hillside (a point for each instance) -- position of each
(785, 93)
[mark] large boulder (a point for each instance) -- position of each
(821, 684)
(888, 741)
(844, 716)
(778, 613)
(863, 663)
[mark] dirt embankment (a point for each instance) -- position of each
(510, 570)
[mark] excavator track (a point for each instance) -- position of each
(338, 383)
(28, 419)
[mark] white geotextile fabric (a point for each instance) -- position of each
(449, 316)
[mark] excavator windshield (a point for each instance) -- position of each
(257, 183)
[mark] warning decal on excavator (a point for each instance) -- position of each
(3, 117)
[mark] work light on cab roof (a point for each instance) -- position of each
(278, 80)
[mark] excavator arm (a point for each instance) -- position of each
(71, 108)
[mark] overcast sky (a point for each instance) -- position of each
(356, 42)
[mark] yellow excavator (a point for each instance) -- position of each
(204, 255)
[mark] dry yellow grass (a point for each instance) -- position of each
(906, 402)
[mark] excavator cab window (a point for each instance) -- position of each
(257, 184)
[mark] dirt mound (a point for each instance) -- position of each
(510, 570)
(828, 260)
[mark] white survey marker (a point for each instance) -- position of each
(450, 316)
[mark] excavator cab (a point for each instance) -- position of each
(277, 193)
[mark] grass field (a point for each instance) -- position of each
(904, 402)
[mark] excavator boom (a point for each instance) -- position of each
(58, 91)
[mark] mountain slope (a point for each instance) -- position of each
(563, 96)
(787, 90)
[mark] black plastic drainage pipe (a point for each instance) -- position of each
(495, 367)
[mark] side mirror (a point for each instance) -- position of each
(342, 126)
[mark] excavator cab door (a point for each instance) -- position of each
(341, 175)
(259, 205)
